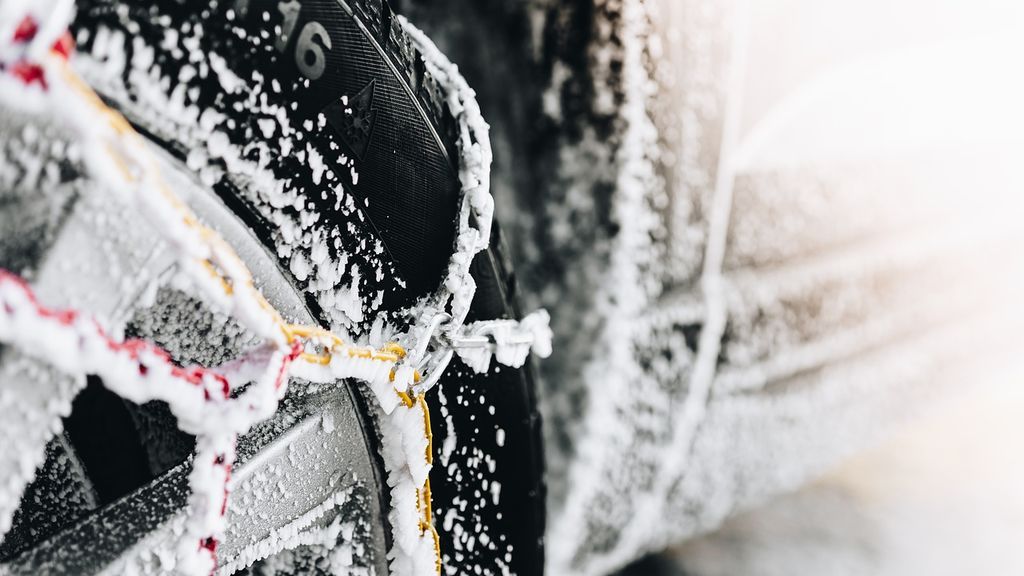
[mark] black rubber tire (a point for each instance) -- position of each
(408, 178)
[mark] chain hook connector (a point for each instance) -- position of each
(435, 367)
(428, 335)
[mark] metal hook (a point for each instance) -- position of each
(428, 334)
(436, 370)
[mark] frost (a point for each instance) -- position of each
(33, 400)
(296, 533)
(508, 341)
(202, 399)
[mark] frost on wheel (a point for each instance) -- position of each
(234, 280)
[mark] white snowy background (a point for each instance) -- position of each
(827, 81)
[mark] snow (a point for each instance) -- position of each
(34, 398)
(296, 533)
(116, 158)
(512, 341)
(621, 296)
(76, 345)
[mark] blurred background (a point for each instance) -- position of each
(878, 80)
(942, 497)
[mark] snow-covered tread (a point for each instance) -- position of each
(331, 94)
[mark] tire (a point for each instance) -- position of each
(394, 139)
